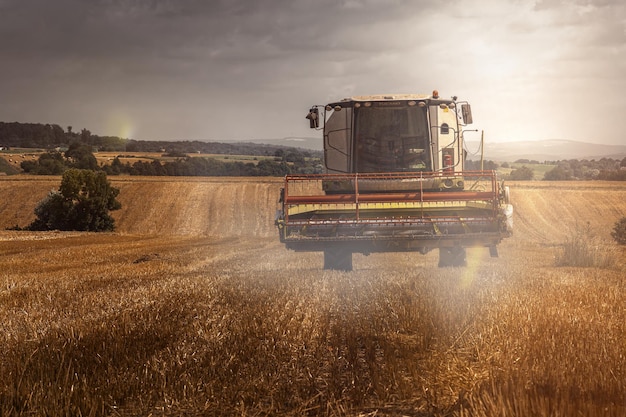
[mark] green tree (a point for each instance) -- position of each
(49, 163)
(82, 157)
(471, 165)
(619, 231)
(522, 174)
(85, 136)
(82, 203)
(558, 173)
(116, 166)
(295, 156)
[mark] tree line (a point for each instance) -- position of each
(80, 156)
(52, 136)
(81, 144)
(80, 148)
(199, 166)
(606, 169)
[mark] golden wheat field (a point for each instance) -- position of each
(192, 307)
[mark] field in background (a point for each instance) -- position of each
(539, 170)
(193, 307)
(105, 158)
(15, 157)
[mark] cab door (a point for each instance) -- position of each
(338, 141)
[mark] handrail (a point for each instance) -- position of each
(357, 199)
(390, 175)
(388, 197)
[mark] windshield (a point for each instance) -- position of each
(391, 139)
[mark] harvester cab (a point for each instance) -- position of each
(394, 181)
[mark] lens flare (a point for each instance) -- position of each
(474, 258)
(120, 124)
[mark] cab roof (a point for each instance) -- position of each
(433, 98)
(389, 97)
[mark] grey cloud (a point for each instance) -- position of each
(207, 62)
(237, 30)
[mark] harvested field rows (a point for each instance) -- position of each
(164, 206)
(193, 307)
(199, 208)
(546, 212)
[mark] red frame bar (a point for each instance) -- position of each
(391, 197)
(412, 196)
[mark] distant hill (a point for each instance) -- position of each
(545, 150)
(312, 143)
(50, 136)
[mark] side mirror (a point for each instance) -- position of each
(466, 111)
(314, 118)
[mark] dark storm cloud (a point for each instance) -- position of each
(114, 28)
(213, 42)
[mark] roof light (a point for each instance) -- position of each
(435, 94)
(357, 105)
(411, 103)
(367, 104)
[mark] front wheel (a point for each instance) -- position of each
(338, 259)
(452, 257)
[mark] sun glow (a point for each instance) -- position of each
(121, 125)
(474, 258)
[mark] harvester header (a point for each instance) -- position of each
(394, 181)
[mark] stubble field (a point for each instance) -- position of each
(192, 307)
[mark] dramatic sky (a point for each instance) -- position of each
(241, 70)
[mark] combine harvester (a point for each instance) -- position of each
(395, 181)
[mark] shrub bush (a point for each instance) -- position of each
(82, 203)
(582, 249)
(522, 174)
(619, 231)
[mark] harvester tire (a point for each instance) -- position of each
(451, 257)
(338, 259)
